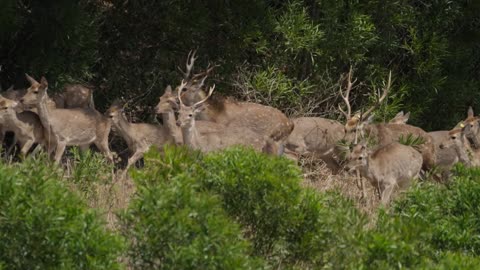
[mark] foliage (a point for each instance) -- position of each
(172, 224)
(291, 53)
(49, 38)
(454, 209)
(45, 226)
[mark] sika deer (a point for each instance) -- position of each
(80, 126)
(383, 134)
(458, 142)
(264, 120)
(387, 168)
(139, 136)
(26, 125)
(210, 136)
(318, 137)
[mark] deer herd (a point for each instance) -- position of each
(193, 117)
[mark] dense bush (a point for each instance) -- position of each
(172, 224)
(284, 221)
(449, 214)
(43, 225)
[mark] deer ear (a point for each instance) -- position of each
(168, 90)
(406, 117)
(369, 119)
(470, 112)
(30, 79)
(43, 82)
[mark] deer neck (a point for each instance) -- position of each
(12, 121)
(170, 123)
(191, 136)
(366, 171)
(44, 112)
(124, 127)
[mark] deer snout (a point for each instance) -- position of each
(22, 100)
(442, 146)
(179, 123)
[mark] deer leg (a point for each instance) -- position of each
(10, 148)
(59, 151)
(134, 158)
(84, 148)
(103, 147)
(387, 193)
(28, 144)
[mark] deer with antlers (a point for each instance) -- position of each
(210, 136)
(63, 127)
(360, 125)
(139, 136)
(264, 120)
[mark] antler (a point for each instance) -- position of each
(347, 95)
(179, 92)
(210, 91)
(189, 65)
(380, 100)
(205, 74)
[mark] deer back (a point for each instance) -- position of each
(314, 135)
(385, 134)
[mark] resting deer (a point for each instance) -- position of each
(25, 125)
(318, 137)
(139, 136)
(383, 134)
(387, 168)
(264, 120)
(67, 127)
(210, 136)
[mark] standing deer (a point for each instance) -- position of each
(25, 125)
(387, 168)
(139, 136)
(384, 133)
(210, 136)
(264, 120)
(79, 126)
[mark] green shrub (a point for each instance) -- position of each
(284, 221)
(45, 226)
(171, 224)
(448, 213)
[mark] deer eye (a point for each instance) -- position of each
(190, 115)
(360, 158)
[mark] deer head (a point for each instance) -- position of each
(186, 114)
(115, 111)
(192, 89)
(7, 105)
(358, 157)
(457, 141)
(472, 128)
(167, 102)
(36, 93)
(354, 126)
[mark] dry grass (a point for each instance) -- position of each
(319, 177)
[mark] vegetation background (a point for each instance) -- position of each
(289, 54)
